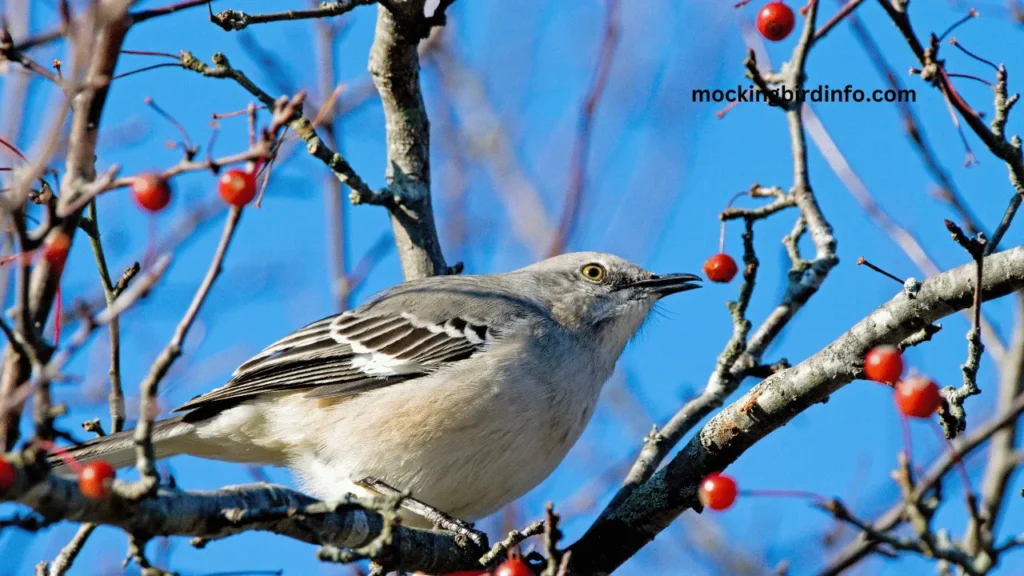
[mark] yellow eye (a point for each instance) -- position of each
(593, 272)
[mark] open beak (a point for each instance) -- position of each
(666, 284)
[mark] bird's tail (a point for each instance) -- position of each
(170, 437)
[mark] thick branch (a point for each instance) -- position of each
(395, 67)
(217, 514)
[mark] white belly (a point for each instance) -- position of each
(466, 450)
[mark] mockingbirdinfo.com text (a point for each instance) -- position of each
(822, 93)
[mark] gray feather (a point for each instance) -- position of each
(119, 448)
(342, 354)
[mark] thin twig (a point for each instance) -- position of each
(145, 456)
(297, 122)
(581, 145)
(954, 419)
(116, 399)
(230, 20)
(62, 563)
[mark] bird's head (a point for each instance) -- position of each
(603, 294)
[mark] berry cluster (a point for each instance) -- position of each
(917, 396)
(153, 192)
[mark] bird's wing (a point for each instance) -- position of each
(350, 353)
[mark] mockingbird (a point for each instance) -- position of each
(466, 391)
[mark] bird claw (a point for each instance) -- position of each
(439, 519)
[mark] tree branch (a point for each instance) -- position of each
(87, 110)
(774, 402)
(395, 68)
(237, 20)
(211, 515)
(148, 388)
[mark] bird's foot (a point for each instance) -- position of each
(440, 519)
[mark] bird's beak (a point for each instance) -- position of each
(666, 284)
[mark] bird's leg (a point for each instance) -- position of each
(439, 518)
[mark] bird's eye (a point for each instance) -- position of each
(593, 272)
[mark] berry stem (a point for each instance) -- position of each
(14, 257)
(969, 77)
(56, 316)
(908, 444)
(170, 119)
(14, 150)
(721, 236)
(972, 13)
(150, 53)
(725, 110)
(219, 115)
(961, 469)
(147, 256)
(802, 494)
(972, 54)
(64, 455)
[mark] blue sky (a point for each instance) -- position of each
(660, 170)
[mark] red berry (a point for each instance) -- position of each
(918, 397)
(55, 250)
(720, 268)
(775, 21)
(151, 192)
(514, 567)
(237, 187)
(7, 475)
(717, 491)
(95, 478)
(884, 364)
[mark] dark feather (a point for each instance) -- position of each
(347, 354)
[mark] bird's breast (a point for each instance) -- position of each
(467, 439)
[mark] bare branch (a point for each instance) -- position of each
(62, 563)
(395, 68)
(237, 20)
(87, 109)
(774, 402)
(994, 138)
(300, 124)
(914, 128)
(146, 458)
(211, 515)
